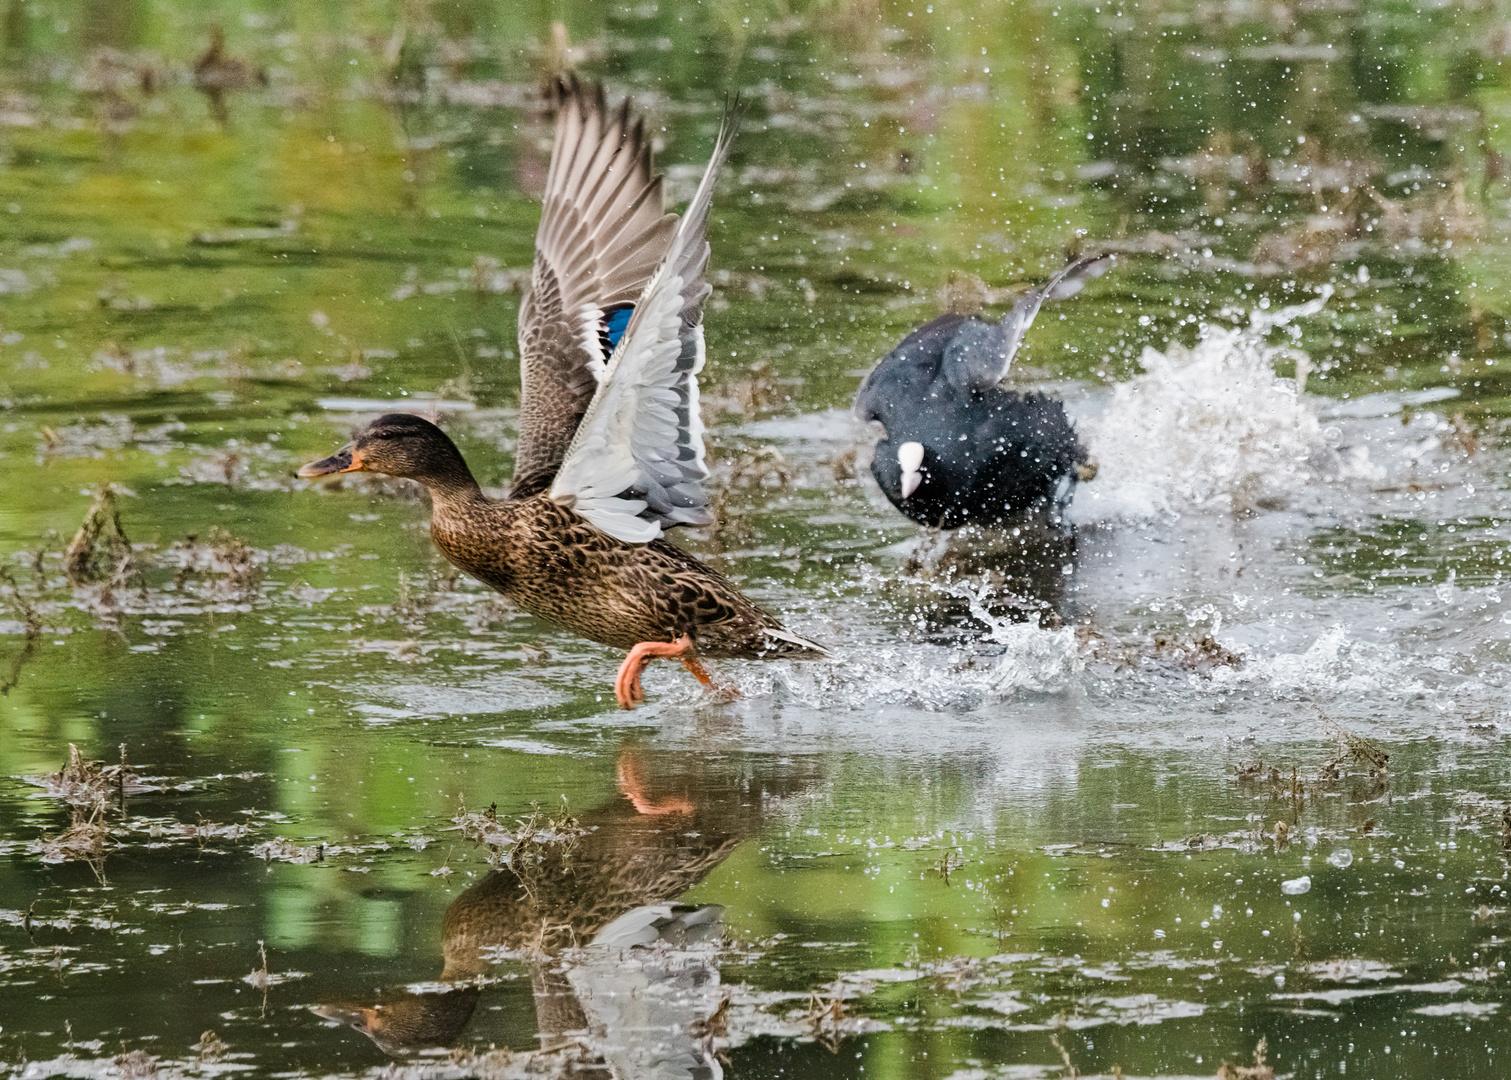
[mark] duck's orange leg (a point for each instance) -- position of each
(699, 672)
(627, 689)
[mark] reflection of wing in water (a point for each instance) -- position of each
(646, 984)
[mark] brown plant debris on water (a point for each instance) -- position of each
(503, 1064)
(542, 828)
(100, 549)
(202, 832)
(261, 978)
(481, 825)
(136, 1065)
(755, 394)
(537, 830)
(87, 838)
(12, 677)
(845, 464)
(235, 565)
(955, 974)
(1202, 655)
(91, 783)
(716, 1024)
(1254, 772)
(210, 1047)
(281, 850)
(948, 863)
(826, 1011)
(17, 601)
(1350, 747)
(1246, 841)
(760, 467)
(1366, 753)
(31, 624)
(1257, 1071)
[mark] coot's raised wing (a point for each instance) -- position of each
(602, 234)
(980, 353)
(636, 465)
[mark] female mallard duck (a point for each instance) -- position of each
(610, 447)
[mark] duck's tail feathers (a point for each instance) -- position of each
(785, 643)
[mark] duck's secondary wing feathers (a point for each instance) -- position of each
(602, 234)
(636, 465)
(980, 353)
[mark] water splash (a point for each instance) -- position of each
(1009, 659)
(1034, 658)
(1209, 427)
(1032, 661)
(1334, 665)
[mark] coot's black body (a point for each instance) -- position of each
(960, 449)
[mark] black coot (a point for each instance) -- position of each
(959, 448)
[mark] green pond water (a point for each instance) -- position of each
(1221, 780)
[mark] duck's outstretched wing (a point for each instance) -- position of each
(602, 234)
(980, 353)
(636, 465)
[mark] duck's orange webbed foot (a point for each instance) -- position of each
(627, 689)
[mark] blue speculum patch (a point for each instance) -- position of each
(614, 322)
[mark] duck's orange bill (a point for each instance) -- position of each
(343, 460)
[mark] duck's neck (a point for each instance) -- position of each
(453, 487)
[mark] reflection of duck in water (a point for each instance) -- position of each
(609, 952)
(648, 983)
(216, 74)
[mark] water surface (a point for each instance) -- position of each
(1222, 776)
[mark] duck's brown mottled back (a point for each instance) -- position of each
(555, 565)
